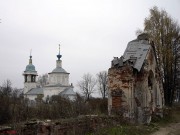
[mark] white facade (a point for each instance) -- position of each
(59, 75)
(28, 86)
(31, 97)
(50, 91)
(55, 78)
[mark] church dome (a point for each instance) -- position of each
(30, 68)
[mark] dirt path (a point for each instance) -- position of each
(172, 129)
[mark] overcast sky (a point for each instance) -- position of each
(91, 33)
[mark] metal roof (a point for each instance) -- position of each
(56, 85)
(35, 91)
(136, 52)
(59, 70)
(68, 91)
(30, 68)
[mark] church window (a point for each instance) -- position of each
(32, 78)
(25, 78)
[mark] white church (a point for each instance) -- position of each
(58, 82)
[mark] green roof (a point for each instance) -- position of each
(30, 68)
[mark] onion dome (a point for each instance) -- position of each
(30, 67)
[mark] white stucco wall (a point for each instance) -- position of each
(31, 97)
(59, 78)
(72, 97)
(28, 86)
(50, 91)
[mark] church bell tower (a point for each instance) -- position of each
(29, 74)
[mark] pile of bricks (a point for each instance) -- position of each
(76, 126)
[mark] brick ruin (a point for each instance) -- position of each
(135, 85)
(74, 126)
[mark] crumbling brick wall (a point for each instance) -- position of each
(135, 92)
(120, 85)
(73, 126)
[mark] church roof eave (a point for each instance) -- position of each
(59, 70)
(35, 91)
(30, 73)
(58, 73)
(57, 85)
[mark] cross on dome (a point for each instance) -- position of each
(30, 60)
(30, 54)
(59, 55)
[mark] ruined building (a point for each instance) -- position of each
(135, 85)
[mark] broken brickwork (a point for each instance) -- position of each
(135, 85)
(77, 126)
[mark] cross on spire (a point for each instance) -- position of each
(30, 53)
(30, 60)
(59, 55)
(59, 48)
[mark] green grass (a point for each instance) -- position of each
(127, 130)
(171, 115)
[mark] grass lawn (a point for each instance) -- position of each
(171, 115)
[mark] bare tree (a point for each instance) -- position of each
(163, 30)
(42, 80)
(87, 85)
(102, 83)
(5, 101)
(6, 88)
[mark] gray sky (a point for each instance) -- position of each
(90, 32)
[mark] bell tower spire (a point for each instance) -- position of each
(59, 55)
(30, 60)
(59, 76)
(29, 74)
(59, 62)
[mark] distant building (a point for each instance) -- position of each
(58, 82)
(135, 83)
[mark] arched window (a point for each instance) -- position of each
(150, 79)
